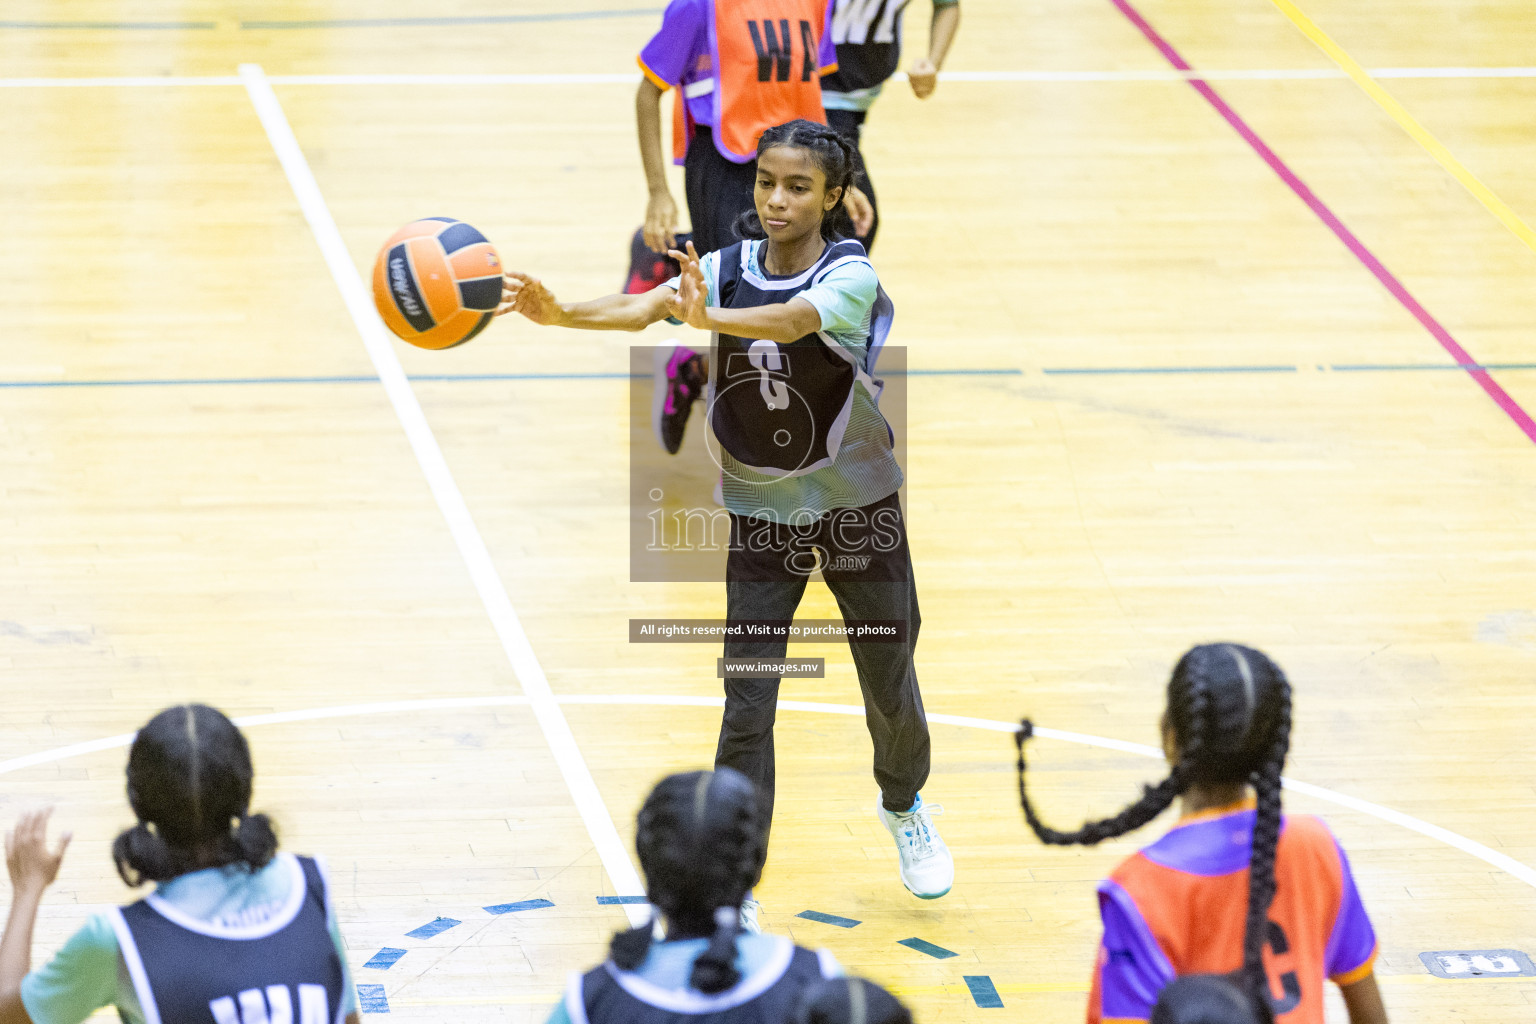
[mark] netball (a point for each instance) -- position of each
(436, 282)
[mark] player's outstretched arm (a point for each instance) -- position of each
(1363, 1001)
(527, 295)
(33, 867)
(783, 322)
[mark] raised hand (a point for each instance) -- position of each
(692, 298)
(32, 865)
(527, 295)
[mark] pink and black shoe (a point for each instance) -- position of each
(648, 269)
(678, 383)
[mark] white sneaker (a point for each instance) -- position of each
(749, 909)
(927, 869)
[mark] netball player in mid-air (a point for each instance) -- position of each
(234, 932)
(810, 479)
(1234, 877)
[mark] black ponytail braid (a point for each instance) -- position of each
(1154, 799)
(701, 845)
(832, 154)
(1229, 709)
(1266, 839)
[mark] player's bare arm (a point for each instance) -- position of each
(525, 294)
(660, 209)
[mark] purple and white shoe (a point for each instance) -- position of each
(678, 383)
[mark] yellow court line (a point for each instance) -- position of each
(550, 998)
(1482, 193)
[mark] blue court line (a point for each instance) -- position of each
(937, 952)
(432, 928)
(361, 379)
(430, 377)
(133, 26)
(512, 908)
(1050, 371)
(491, 19)
(983, 991)
(527, 376)
(820, 918)
(1005, 372)
(617, 901)
(371, 999)
(385, 958)
(1098, 370)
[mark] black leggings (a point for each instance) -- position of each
(718, 191)
(763, 584)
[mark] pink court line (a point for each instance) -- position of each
(1463, 359)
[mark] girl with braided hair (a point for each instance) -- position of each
(234, 931)
(701, 843)
(1236, 886)
(810, 479)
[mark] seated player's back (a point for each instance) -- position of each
(1188, 892)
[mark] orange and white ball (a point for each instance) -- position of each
(437, 282)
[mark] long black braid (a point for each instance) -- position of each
(701, 845)
(831, 153)
(1192, 702)
(1266, 838)
(1229, 709)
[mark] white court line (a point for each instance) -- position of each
(630, 78)
(1501, 861)
(477, 558)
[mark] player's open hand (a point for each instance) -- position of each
(527, 295)
(923, 77)
(860, 210)
(691, 300)
(33, 866)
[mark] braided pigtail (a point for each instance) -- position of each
(715, 969)
(837, 223)
(629, 948)
(1266, 837)
(1187, 704)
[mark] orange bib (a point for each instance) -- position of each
(766, 70)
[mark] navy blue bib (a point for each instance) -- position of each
(608, 995)
(868, 39)
(284, 970)
(782, 410)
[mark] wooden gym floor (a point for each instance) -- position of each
(1204, 401)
